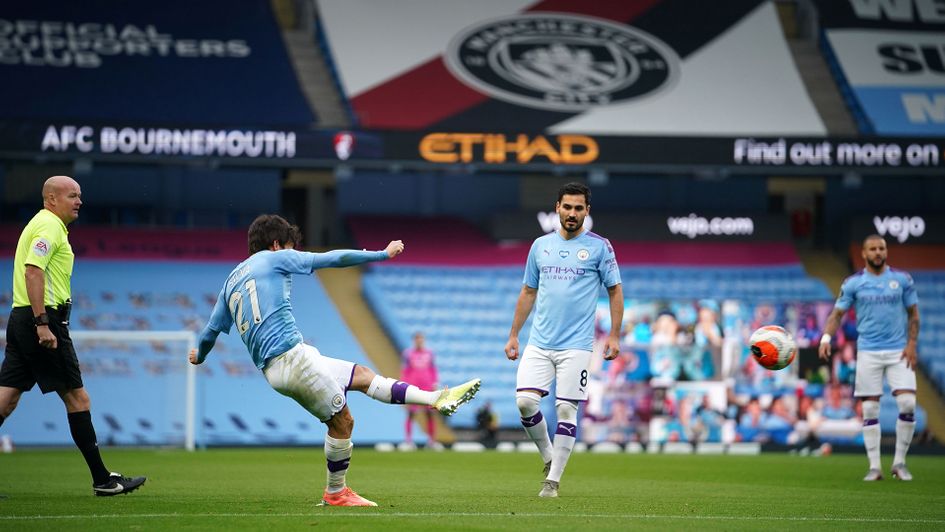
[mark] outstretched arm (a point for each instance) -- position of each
(341, 258)
(526, 300)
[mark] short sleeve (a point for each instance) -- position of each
(607, 266)
(909, 295)
(531, 267)
(847, 295)
(42, 246)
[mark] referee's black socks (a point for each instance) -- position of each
(83, 434)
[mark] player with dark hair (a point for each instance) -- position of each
(887, 323)
(255, 298)
(563, 276)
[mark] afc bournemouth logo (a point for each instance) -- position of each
(561, 62)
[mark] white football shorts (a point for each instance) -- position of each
(316, 382)
(872, 365)
(567, 367)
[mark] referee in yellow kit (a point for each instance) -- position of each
(39, 349)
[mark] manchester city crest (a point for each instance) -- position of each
(338, 401)
(561, 62)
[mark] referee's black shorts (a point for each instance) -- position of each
(27, 363)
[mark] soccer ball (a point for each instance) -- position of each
(773, 347)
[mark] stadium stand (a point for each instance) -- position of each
(70, 62)
(460, 289)
(931, 287)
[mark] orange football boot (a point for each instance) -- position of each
(345, 497)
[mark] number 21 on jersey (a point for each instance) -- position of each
(236, 306)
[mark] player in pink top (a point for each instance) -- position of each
(420, 370)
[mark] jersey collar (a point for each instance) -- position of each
(583, 232)
(48, 213)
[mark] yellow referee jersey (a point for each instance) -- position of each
(44, 243)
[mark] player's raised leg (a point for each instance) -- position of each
(387, 390)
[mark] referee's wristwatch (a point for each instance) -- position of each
(42, 319)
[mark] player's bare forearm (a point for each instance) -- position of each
(909, 353)
(36, 289)
(36, 293)
(523, 307)
(913, 326)
(616, 321)
(833, 323)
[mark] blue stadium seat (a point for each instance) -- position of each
(466, 311)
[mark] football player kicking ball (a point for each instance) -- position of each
(887, 323)
(255, 298)
(563, 276)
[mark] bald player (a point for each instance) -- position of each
(39, 349)
(887, 325)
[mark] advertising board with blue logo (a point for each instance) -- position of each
(890, 61)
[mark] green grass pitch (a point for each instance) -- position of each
(277, 489)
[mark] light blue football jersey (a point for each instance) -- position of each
(256, 297)
(880, 302)
(568, 275)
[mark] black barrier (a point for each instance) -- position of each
(901, 228)
(514, 151)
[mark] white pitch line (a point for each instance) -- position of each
(474, 514)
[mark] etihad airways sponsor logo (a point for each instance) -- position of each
(498, 148)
